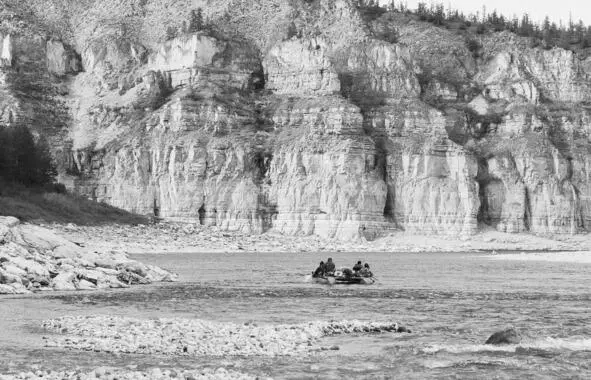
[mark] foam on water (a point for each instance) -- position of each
(581, 257)
(546, 344)
(438, 364)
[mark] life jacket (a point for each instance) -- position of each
(329, 267)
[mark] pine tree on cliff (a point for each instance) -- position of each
(196, 21)
(171, 32)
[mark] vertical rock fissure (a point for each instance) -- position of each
(482, 178)
(202, 213)
(527, 214)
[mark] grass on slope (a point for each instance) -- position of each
(46, 207)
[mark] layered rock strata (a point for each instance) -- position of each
(307, 120)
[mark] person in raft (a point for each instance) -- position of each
(357, 267)
(319, 272)
(366, 272)
(329, 267)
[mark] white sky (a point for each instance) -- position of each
(537, 9)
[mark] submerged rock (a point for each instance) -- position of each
(508, 336)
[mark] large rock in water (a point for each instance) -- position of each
(508, 336)
(32, 258)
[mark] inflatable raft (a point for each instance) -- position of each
(342, 277)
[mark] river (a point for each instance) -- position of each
(452, 302)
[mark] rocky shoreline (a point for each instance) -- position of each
(195, 337)
(113, 373)
(33, 258)
(186, 237)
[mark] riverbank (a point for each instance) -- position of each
(163, 238)
(115, 373)
(33, 258)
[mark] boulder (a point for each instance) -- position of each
(64, 281)
(85, 285)
(137, 268)
(15, 288)
(7, 289)
(8, 278)
(156, 274)
(92, 276)
(131, 278)
(508, 336)
(4, 231)
(30, 266)
(106, 263)
(66, 251)
(14, 270)
(9, 221)
(42, 281)
(40, 238)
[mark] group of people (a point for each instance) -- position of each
(329, 268)
(362, 270)
(325, 268)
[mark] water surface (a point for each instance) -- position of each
(451, 302)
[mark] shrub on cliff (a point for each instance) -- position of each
(171, 33)
(474, 47)
(24, 160)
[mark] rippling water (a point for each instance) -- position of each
(452, 302)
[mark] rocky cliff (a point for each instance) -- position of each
(296, 116)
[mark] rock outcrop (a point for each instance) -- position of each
(308, 120)
(61, 59)
(508, 336)
(34, 259)
(6, 50)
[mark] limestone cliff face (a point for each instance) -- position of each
(325, 174)
(6, 50)
(301, 67)
(301, 120)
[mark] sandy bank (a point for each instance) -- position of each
(162, 238)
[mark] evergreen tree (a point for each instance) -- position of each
(570, 36)
(196, 21)
(171, 32)
(439, 15)
(422, 11)
(23, 160)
